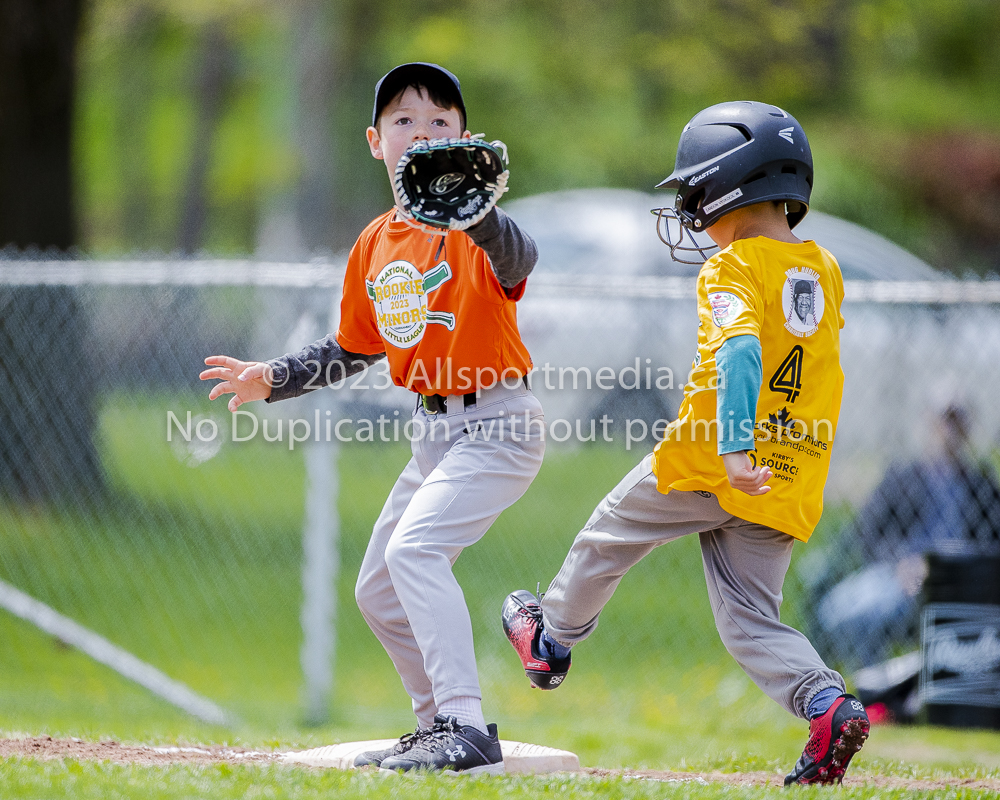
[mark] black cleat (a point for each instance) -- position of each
(375, 758)
(450, 747)
(522, 622)
(834, 738)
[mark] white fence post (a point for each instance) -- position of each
(320, 556)
(319, 574)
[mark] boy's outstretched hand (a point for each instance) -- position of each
(247, 380)
(743, 475)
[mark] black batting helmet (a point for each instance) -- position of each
(733, 155)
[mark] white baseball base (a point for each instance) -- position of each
(518, 757)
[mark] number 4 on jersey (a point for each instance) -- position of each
(787, 379)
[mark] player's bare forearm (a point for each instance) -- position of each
(743, 475)
(245, 380)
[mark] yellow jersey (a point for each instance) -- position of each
(789, 296)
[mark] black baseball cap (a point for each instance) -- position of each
(430, 75)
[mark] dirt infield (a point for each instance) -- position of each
(45, 747)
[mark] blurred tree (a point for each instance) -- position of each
(316, 35)
(46, 392)
(584, 93)
(361, 59)
(135, 96)
(918, 144)
(37, 48)
(303, 219)
(213, 82)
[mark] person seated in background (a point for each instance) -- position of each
(948, 503)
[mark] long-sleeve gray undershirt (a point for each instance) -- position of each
(322, 363)
(512, 254)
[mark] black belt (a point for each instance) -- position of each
(438, 403)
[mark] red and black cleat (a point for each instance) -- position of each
(522, 622)
(834, 737)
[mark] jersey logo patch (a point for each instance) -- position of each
(802, 301)
(726, 307)
(399, 294)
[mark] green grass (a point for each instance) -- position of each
(82, 780)
(196, 568)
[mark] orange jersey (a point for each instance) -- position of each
(446, 324)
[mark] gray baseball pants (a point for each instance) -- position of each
(745, 565)
(468, 465)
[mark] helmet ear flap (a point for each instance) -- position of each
(691, 204)
(795, 211)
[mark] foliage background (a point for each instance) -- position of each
(229, 116)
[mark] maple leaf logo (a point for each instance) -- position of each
(783, 419)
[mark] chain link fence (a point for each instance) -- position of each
(221, 551)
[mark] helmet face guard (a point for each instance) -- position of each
(733, 155)
(685, 248)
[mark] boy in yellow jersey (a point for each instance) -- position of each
(441, 310)
(745, 462)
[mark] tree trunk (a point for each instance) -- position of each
(214, 76)
(46, 391)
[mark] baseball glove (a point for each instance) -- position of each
(450, 184)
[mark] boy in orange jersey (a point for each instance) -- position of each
(744, 464)
(441, 308)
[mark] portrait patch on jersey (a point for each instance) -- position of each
(399, 294)
(726, 307)
(802, 301)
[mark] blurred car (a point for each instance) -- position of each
(606, 294)
(609, 317)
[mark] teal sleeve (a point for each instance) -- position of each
(741, 373)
